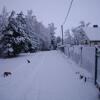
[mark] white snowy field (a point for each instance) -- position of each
(49, 76)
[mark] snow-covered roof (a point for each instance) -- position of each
(92, 33)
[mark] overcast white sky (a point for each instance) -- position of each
(48, 11)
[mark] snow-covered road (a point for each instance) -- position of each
(49, 76)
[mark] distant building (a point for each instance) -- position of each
(92, 35)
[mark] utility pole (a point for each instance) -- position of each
(66, 19)
(62, 33)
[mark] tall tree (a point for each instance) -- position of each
(78, 32)
(68, 37)
(52, 29)
(3, 25)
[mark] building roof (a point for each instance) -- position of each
(92, 33)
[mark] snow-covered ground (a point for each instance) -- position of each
(49, 76)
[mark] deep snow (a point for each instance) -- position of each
(49, 76)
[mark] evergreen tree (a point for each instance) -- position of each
(15, 39)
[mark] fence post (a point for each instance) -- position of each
(81, 55)
(95, 77)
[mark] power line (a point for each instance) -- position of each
(66, 18)
(68, 12)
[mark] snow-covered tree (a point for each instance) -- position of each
(44, 37)
(40, 35)
(68, 37)
(3, 19)
(3, 25)
(52, 29)
(36, 31)
(58, 39)
(23, 33)
(21, 24)
(14, 39)
(78, 33)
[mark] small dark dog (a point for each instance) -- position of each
(85, 79)
(81, 76)
(6, 74)
(28, 61)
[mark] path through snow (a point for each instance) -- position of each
(49, 76)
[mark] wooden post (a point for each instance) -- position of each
(81, 56)
(62, 33)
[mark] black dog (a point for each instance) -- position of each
(81, 76)
(6, 74)
(28, 61)
(85, 79)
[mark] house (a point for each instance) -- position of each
(92, 35)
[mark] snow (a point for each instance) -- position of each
(10, 32)
(11, 49)
(49, 76)
(92, 33)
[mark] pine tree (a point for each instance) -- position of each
(14, 38)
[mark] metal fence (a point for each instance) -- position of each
(87, 57)
(98, 67)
